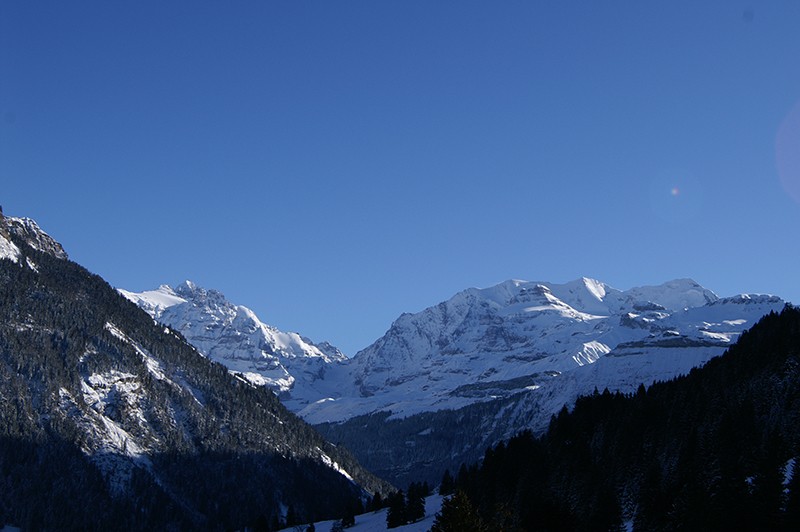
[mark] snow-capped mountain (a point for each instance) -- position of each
(542, 338)
(519, 336)
(480, 367)
(292, 366)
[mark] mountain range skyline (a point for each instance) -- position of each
(158, 299)
(355, 348)
(492, 361)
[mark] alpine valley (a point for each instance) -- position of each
(175, 408)
(444, 384)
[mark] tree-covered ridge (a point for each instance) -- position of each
(110, 420)
(712, 450)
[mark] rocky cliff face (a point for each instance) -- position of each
(29, 231)
(291, 365)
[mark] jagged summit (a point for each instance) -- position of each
(16, 232)
(29, 231)
(233, 335)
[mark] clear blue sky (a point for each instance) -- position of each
(333, 164)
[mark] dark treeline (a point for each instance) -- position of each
(708, 451)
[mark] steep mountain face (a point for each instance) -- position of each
(520, 336)
(29, 231)
(493, 362)
(292, 366)
(110, 420)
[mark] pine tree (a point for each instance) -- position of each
(458, 515)
(607, 511)
(396, 516)
(415, 506)
(349, 519)
(768, 487)
(448, 485)
(291, 516)
(375, 503)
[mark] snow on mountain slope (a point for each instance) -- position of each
(674, 295)
(514, 337)
(551, 341)
(27, 231)
(291, 365)
(444, 384)
(8, 250)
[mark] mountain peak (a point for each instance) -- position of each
(188, 289)
(187, 285)
(594, 286)
(678, 294)
(28, 230)
(235, 336)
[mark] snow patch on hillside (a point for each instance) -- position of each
(376, 521)
(334, 465)
(154, 301)
(108, 444)
(8, 250)
(591, 353)
(153, 365)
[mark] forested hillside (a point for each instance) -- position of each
(111, 421)
(714, 450)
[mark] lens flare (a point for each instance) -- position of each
(676, 195)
